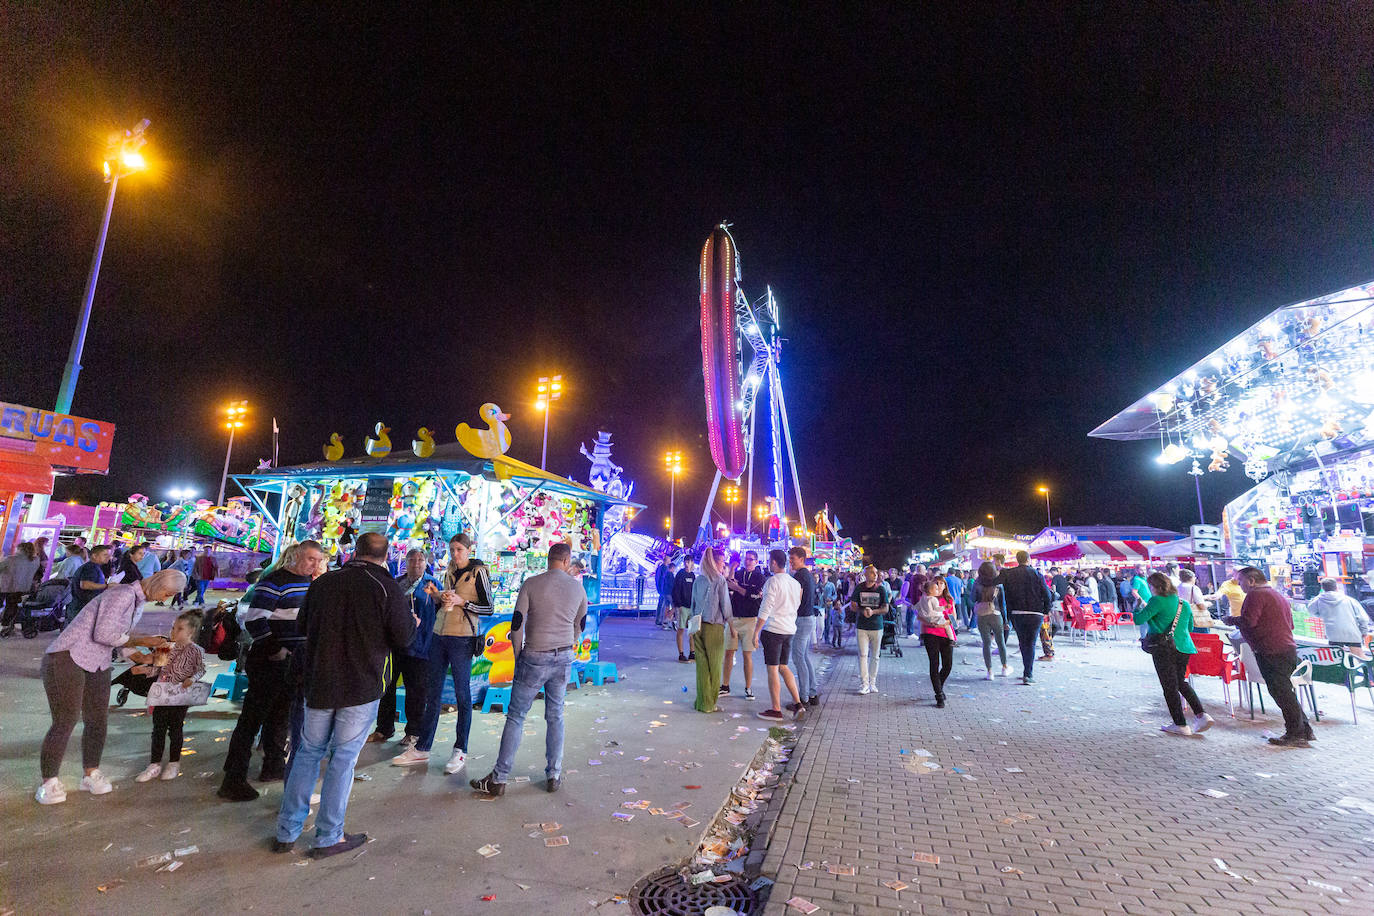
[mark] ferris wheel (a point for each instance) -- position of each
(734, 385)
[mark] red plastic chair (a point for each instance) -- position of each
(1109, 622)
(1125, 618)
(1215, 659)
(1092, 623)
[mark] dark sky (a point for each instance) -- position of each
(987, 232)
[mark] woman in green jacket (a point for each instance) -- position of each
(1161, 614)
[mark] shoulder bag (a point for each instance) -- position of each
(1154, 643)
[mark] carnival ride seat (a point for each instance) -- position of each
(1214, 659)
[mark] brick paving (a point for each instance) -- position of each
(1106, 815)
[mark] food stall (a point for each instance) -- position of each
(1111, 546)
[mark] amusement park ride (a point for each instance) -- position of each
(733, 392)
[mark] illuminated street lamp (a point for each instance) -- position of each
(672, 462)
(182, 494)
(993, 519)
(233, 422)
(731, 496)
(549, 390)
(1046, 491)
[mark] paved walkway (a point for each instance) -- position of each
(1063, 797)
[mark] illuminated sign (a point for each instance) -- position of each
(67, 443)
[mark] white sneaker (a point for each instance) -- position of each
(872, 686)
(1006, 672)
(1172, 729)
(96, 783)
(863, 691)
(150, 772)
(1202, 723)
(456, 762)
(171, 770)
(410, 757)
(51, 792)
(988, 676)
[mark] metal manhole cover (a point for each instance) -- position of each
(666, 894)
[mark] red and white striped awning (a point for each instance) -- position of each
(1118, 551)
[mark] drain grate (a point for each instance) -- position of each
(666, 894)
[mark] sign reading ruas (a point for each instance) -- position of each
(65, 442)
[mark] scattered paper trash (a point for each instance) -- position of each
(159, 859)
(847, 870)
(1008, 870)
(927, 858)
(556, 841)
(1214, 793)
(186, 851)
(897, 886)
(802, 904)
(488, 851)
(1323, 886)
(171, 866)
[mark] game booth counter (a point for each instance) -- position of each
(513, 511)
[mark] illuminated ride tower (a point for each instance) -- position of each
(733, 389)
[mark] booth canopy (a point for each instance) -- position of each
(1132, 544)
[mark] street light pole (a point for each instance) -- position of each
(235, 412)
(672, 461)
(549, 390)
(1046, 491)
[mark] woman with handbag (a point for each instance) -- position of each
(76, 677)
(183, 665)
(1170, 644)
(711, 614)
(987, 607)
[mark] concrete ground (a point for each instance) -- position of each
(1064, 797)
(83, 855)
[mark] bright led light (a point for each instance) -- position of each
(132, 160)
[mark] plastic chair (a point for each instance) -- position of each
(1092, 623)
(1109, 621)
(1302, 683)
(1251, 678)
(233, 682)
(1213, 660)
(600, 672)
(1125, 618)
(497, 696)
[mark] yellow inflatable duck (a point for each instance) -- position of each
(423, 443)
(486, 443)
(334, 450)
(379, 447)
(498, 649)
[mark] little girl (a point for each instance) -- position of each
(185, 664)
(937, 634)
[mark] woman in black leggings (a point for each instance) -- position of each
(937, 635)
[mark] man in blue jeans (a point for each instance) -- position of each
(807, 616)
(550, 612)
(353, 619)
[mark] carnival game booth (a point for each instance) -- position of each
(514, 512)
(977, 545)
(1291, 401)
(1098, 545)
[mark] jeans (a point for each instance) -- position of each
(73, 693)
(266, 707)
(536, 671)
(201, 586)
(990, 629)
(908, 618)
(449, 653)
(869, 641)
(665, 604)
(1277, 670)
(709, 645)
(802, 664)
(1172, 669)
(415, 672)
(940, 650)
(1027, 626)
(336, 735)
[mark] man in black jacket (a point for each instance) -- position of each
(682, 604)
(1028, 600)
(353, 619)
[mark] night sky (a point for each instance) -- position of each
(987, 235)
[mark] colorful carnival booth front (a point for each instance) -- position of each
(514, 512)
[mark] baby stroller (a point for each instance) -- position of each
(45, 609)
(890, 643)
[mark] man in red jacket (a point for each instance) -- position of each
(1266, 622)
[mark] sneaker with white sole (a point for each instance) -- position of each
(872, 686)
(410, 757)
(171, 770)
(1006, 672)
(96, 783)
(456, 762)
(863, 691)
(748, 694)
(150, 772)
(51, 792)
(1180, 730)
(1202, 723)
(988, 676)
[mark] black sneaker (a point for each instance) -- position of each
(939, 702)
(795, 708)
(691, 657)
(350, 841)
(279, 847)
(681, 657)
(488, 785)
(813, 701)
(772, 715)
(724, 690)
(122, 697)
(235, 791)
(553, 785)
(1286, 741)
(272, 775)
(749, 694)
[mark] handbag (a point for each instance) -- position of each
(1162, 642)
(170, 693)
(693, 624)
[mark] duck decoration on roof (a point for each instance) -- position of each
(379, 447)
(334, 450)
(492, 442)
(423, 443)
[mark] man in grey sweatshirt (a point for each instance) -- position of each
(550, 612)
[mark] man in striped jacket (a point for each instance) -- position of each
(271, 622)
